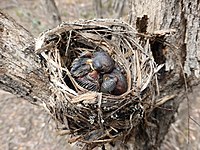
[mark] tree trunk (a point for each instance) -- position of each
(21, 72)
(184, 17)
(181, 59)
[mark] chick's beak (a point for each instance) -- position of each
(89, 62)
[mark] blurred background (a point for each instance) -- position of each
(24, 126)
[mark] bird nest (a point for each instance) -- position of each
(90, 115)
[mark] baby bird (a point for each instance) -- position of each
(114, 83)
(102, 62)
(82, 65)
(89, 81)
(88, 67)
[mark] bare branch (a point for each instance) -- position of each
(51, 12)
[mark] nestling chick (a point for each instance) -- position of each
(89, 81)
(114, 83)
(102, 62)
(82, 65)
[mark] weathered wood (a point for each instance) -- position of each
(182, 57)
(21, 72)
(184, 17)
(20, 69)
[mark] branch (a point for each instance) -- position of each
(20, 69)
(51, 12)
(21, 73)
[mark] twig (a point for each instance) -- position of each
(195, 121)
(163, 100)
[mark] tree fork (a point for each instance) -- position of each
(21, 72)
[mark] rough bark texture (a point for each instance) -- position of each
(21, 72)
(182, 56)
(20, 68)
(181, 15)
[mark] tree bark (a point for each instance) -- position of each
(181, 59)
(21, 72)
(181, 15)
(20, 69)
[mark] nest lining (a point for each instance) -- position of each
(93, 117)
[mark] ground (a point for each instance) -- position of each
(24, 126)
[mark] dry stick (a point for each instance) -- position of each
(57, 83)
(138, 68)
(130, 14)
(98, 141)
(44, 48)
(100, 117)
(118, 109)
(195, 121)
(137, 63)
(164, 99)
(68, 42)
(155, 67)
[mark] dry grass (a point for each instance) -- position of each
(93, 117)
(31, 16)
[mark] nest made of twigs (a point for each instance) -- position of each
(94, 117)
